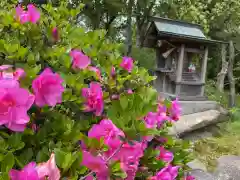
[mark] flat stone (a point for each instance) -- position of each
(201, 175)
(226, 159)
(191, 122)
(228, 168)
(190, 107)
(197, 165)
(197, 135)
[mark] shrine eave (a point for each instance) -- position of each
(160, 28)
(162, 34)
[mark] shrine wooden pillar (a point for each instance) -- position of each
(204, 70)
(179, 69)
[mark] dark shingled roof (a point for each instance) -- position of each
(179, 29)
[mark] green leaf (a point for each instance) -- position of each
(3, 144)
(82, 170)
(15, 141)
(4, 176)
(22, 52)
(62, 158)
(116, 166)
(31, 59)
(26, 156)
(65, 159)
(130, 133)
(117, 171)
(124, 102)
(121, 174)
(42, 155)
(66, 60)
(167, 103)
(8, 162)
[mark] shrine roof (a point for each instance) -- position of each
(179, 29)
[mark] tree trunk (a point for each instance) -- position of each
(222, 74)
(230, 74)
(142, 20)
(140, 36)
(129, 28)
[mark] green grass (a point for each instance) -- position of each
(225, 142)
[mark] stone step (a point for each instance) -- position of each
(192, 122)
(192, 98)
(190, 107)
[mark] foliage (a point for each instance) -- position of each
(107, 115)
(145, 57)
(225, 141)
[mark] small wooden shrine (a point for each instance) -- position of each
(182, 55)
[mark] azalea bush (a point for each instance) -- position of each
(72, 108)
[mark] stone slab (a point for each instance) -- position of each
(197, 165)
(191, 122)
(228, 168)
(191, 107)
(201, 175)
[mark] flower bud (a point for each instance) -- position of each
(55, 34)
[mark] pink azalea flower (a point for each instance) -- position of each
(5, 67)
(96, 70)
(162, 115)
(115, 97)
(148, 138)
(129, 156)
(94, 98)
(55, 34)
(28, 172)
(94, 163)
(34, 14)
(151, 120)
(31, 15)
(89, 178)
(129, 91)
(113, 72)
(189, 178)
(127, 64)
(80, 60)
(48, 88)
(165, 155)
(8, 83)
(19, 73)
(128, 150)
(175, 110)
(48, 169)
(130, 166)
(22, 15)
(107, 130)
(167, 173)
(14, 104)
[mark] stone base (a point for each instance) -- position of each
(191, 107)
(183, 97)
(192, 122)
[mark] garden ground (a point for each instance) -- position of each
(226, 136)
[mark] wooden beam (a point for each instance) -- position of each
(204, 69)
(180, 64)
(194, 50)
(204, 65)
(179, 68)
